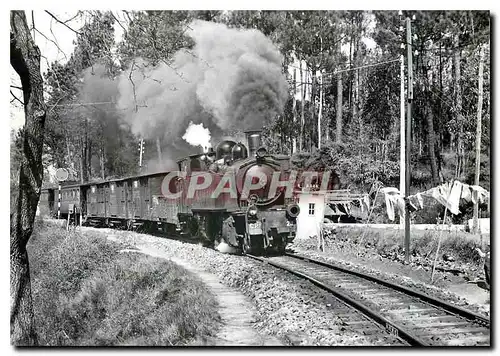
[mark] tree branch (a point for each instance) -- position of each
(15, 98)
(118, 21)
(54, 42)
(61, 22)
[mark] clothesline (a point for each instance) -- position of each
(447, 194)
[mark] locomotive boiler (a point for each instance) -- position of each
(245, 204)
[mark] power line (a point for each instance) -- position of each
(85, 104)
(329, 81)
(350, 69)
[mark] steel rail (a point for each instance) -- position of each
(389, 325)
(447, 307)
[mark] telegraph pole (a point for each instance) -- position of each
(475, 224)
(402, 169)
(408, 139)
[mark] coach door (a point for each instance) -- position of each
(121, 199)
(127, 187)
(113, 199)
(136, 200)
(101, 201)
(145, 198)
(92, 201)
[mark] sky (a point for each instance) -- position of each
(56, 44)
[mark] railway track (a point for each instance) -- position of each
(415, 318)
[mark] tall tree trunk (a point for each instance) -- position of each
(339, 109)
(355, 90)
(320, 110)
(89, 155)
(82, 164)
(431, 142)
(294, 111)
(25, 59)
(86, 161)
(102, 159)
(312, 108)
(458, 101)
(303, 87)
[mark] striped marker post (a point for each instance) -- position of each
(59, 202)
(61, 175)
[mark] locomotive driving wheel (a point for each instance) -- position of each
(245, 246)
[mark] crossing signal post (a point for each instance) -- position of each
(141, 152)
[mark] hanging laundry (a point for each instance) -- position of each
(366, 199)
(392, 201)
(466, 193)
(448, 195)
(478, 192)
(399, 201)
(420, 200)
(454, 197)
(413, 202)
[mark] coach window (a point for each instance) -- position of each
(311, 209)
(112, 188)
(136, 183)
(93, 189)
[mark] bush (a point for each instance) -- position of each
(86, 293)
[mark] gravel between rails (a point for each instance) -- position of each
(287, 307)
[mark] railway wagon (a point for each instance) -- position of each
(132, 201)
(70, 200)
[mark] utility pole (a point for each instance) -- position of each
(320, 112)
(141, 150)
(402, 181)
(475, 223)
(408, 139)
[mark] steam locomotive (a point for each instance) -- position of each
(214, 197)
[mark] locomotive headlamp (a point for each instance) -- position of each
(261, 152)
(253, 199)
(252, 211)
(293, 210)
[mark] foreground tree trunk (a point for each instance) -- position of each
(339, 109)
(25, 59)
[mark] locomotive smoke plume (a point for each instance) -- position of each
(230, 81)
(197, 135)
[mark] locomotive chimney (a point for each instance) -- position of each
(254, 139)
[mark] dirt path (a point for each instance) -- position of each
(236, 312)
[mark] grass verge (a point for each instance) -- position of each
(389, 242)
(86, 293)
